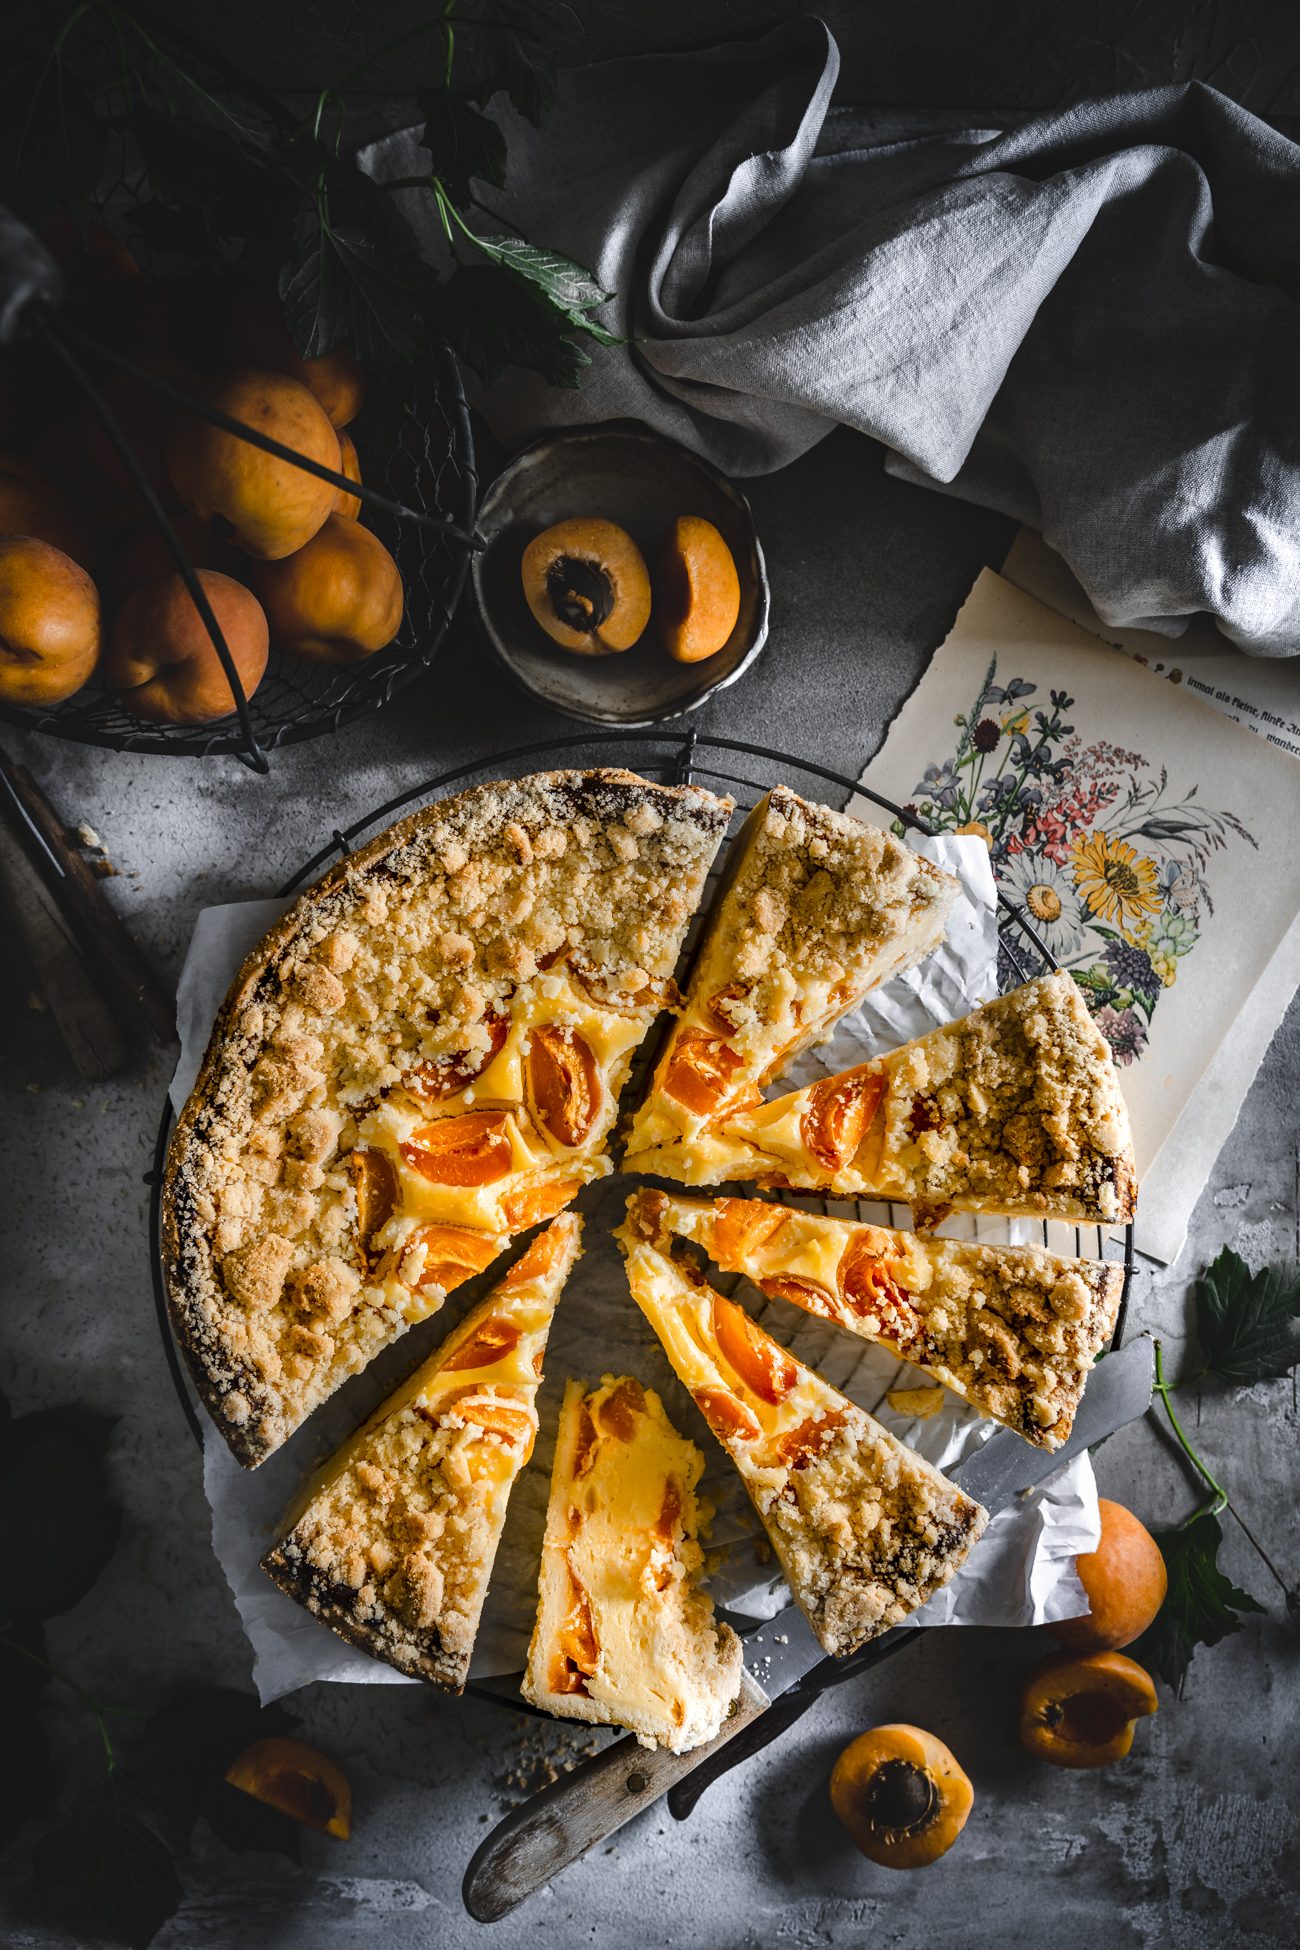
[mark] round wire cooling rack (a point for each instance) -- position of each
(746, 772)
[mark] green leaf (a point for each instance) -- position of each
(191, 1741)
(58, 1522)
(461, 142)
(517, 42)
(1201, 1605)
(341, 285)
(566, 285)
(111, 1854)
(1247, 1322)
(496, 320)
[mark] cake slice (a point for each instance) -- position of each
(817, 908)
(1015, 1109)
(422, 1059)
(623, 1636)
(865, 1530)
(1013, 1330)
(391, 1544)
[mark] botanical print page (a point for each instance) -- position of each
(1151, 840)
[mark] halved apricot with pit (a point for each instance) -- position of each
(697, 590)
(564, 1086)
(473, 1149)
(1079, 1709)
(587, 584)
(293, 1777)
(763, 1366)
(902, 1796)
(839, 1112)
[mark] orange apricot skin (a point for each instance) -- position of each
(1125, 1580)
(293, 1777)
(697, 590)
(1079, 1709)
(857, 1770)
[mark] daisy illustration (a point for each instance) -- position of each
(1048, 897)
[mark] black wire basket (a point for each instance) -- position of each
(726, 765)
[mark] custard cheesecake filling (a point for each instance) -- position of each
(392, 1542)
(623, 1635)
(1013, 1330)
(865, 1530)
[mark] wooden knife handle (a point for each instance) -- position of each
(561, 1822)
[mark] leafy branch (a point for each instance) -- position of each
(1246, 1324)
(232, 179)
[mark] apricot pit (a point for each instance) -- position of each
(587, 584)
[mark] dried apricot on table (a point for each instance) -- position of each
(1079, 1709)
(902, 1796)
(293, 1777)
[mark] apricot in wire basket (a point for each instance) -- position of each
(902, 1796)
(697, 590)
(293, 1777)
(587, 584)
(1125, 1581)
(1079, 1709)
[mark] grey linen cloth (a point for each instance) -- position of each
(1089, 322)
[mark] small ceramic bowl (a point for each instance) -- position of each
(619, 472)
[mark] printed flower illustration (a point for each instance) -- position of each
(1049, 897)
(1117, 883)
(1087, 842)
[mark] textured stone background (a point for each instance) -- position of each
(1193, 1842)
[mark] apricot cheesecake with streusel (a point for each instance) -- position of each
(624, 1636)
(818, 908)
(421, 1060)
(864, 1529)
(1014, 1330)
(392, 1542)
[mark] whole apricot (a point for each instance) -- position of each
(162, 659)
(299, 1781)
(265, 505)
(587, 584)
(260, 337)
(336, 600)
(144, 556)
(348, 504)
(1125, 1581)
(697, 590)
(32, 504)
(1078, 1709)
(50, 628)
(902, 1796)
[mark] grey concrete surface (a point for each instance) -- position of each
(1192, 1842)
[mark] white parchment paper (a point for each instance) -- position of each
(1021, 1573)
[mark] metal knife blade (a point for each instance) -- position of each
(561, 1822)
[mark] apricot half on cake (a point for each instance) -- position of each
(697, 590)
(902, 1796)
(587, 584)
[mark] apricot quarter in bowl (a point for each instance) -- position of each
(337, 599)
(163, 660)
(1125, 1581)
(902, 1796)
(265, 505)
(696, 590)
(50, 627)
(1079, 1709)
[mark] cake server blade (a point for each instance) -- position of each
(561, 1822)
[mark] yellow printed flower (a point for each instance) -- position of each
(1166, 967)
(1116, 883)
